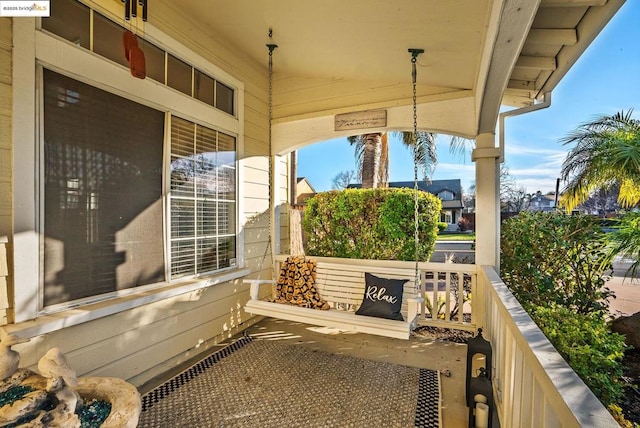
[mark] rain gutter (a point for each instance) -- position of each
(546, 102)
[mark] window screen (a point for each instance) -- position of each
(103, 192)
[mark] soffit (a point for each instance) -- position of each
(366, 41)
(356, 39)
(559, 34)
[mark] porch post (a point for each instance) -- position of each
(486, 156)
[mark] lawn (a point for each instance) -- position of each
(449, 236)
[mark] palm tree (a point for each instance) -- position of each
(423, 145)
(372, 155)
(607, 151)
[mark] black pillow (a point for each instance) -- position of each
(382, 297)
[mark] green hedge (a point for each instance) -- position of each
(373, 224)
(555, 258)
(554, 264)
(592, 350)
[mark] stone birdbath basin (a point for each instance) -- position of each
(55, 397)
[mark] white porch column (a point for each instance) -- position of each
(487, 159)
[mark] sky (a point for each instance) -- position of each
(605, 80)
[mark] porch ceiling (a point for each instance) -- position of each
(336, 56)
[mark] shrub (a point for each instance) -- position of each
(442, 226)
(555, 258)
(464, 224)
(588, 345)
(370, 224)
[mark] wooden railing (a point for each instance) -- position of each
(448, 290)
(533, 385)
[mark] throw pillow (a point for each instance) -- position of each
(382, 297)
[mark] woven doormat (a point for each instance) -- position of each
(260, 383)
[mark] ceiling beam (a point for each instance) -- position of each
(553, 36)
(536, 62)
(522, 85)
(572, 3)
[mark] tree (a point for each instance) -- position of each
(469, 199)
(371, 152)
(513, 198)
(602, 201)
(517, 200)
(606, 151)
(343, 179)
(372, 155)
(423, 146)
(507, 186)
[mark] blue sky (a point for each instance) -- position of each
(605, 80)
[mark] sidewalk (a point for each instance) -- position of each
(627, 290)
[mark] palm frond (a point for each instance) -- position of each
(606, 150)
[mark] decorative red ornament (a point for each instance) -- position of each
(128, 40)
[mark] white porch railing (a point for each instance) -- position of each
(448, 290)
(533, 385)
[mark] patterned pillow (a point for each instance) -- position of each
(382, 297)
(296, 284)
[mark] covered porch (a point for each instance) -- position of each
(161, 289)
(533, 385)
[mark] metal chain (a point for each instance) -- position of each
(271, 48)
(414, 59)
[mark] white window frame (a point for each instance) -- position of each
(33, 49)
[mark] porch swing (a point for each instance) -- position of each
(380, 297)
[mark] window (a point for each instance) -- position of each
(445, 217)
(224, 98)
(446, 195)
(71, 20)
(179, 75)
(97, 166)
(107, 39)
(203, 193)
(102, 192)
(103, 212)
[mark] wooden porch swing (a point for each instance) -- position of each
(379, 297)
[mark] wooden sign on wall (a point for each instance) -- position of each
(361, 119)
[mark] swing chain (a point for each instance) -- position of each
(414, 59)
(271, 48)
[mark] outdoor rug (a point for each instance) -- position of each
(261, 383)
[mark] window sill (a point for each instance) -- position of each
(71, 317)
